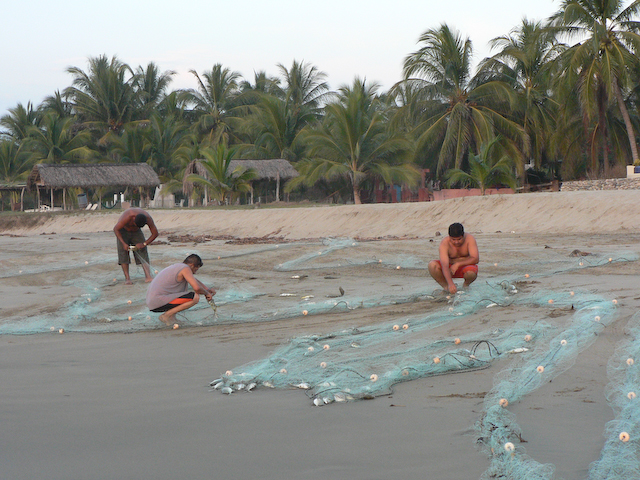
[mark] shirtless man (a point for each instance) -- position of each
(459, 258)
(129, 234)
(168, 292)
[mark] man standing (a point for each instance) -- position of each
(168, 292)
(128, 231)
(459, 258)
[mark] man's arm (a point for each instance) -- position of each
(153, 228)
(196, 284)
(474, 255)
(444, 262)
(122, 222)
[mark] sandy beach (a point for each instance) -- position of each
(119, 395)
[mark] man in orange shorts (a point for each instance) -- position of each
(168, 293)
(459, 258)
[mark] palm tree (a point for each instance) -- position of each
(151, 85)
(304, 90)
(458, 112)
(213, 102)
(598, 67)
(18, 121)
(166, 137)
(104, 96)
(489, 168)
(524, 61)
(214, 172)
(353, 141)
(55, 140)
(15, 165)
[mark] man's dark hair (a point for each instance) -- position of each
(141, 220)
(194, 260)
(456, 230)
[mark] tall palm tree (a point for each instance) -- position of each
(103, 96)
(525, 62)
(151, 85)
(213, 102)
(353, 141)
(489, 168)
(598, 66)
(304, 89)
(458, 111)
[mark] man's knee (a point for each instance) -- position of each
(196, 298)
(434, 266)
(470, 276)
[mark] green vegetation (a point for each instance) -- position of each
(560, 95)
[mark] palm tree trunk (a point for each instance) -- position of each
(627, 122)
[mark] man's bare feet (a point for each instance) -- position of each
(148, 280)
(168, 320)
(128, 282)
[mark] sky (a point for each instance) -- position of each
(370, 39)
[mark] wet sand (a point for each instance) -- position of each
(136, 403)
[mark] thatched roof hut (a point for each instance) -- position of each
(90, 176)
(93, 176)
(268, 169)
(271, 169)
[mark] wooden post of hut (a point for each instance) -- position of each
(277, 186)
(51, 198)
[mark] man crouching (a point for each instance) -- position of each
(168, 292)
(459, 258)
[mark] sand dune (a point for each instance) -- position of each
(552, 212)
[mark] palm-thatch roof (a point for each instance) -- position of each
(270, 169)
(92, 176)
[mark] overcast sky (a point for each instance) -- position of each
(368, 38)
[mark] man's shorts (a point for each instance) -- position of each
(461, 271)
(174, 303)
(132, 238)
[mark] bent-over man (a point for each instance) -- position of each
(128, 231)
(168, 292)
(459, 258)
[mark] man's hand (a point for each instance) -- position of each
(454, 268)
(453, 289)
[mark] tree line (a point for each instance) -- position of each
(558, 99)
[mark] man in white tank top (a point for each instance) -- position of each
(168, 292)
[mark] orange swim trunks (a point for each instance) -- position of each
(461, 271)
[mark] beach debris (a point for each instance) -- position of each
(288, 295)
(227, 390)
(519, 350)
(303, 386)
(268, 384)
(61, 330)
(251, 386)
(341, 290)
(318, 402)
(579, 253)
(240, 386)
(176, 326)
(299, 277)
(509, 447)
(307, 297)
